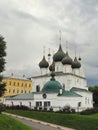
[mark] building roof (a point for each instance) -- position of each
(17, 78)
(59, 55)
(43, 63)
(78, 89)
(52, 86)
(57, 74)
(76, 63)
(24, 96)
(67, 60)
(69, 94)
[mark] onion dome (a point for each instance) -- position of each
(76, 63)
(43, 63)
(59, 55)
(52, 67)
(52, 86)
(67, 59)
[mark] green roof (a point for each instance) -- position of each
(69, 94)
(24, 96)
(76, 64)
(67, 59)
(78, 89)
(59, 55)
(43, 63)
(51, 86)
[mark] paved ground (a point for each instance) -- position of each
(37, 125)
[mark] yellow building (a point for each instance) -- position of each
(16, 86)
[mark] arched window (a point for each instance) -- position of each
(63, 86)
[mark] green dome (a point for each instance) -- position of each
(52, 86)
(67, 59)
(52, 67)
(76, 63)
(59, 55)
(43, 63)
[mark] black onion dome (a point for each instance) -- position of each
(59, 55)
(52, 67)
(67, 59)
(43, 63)
(76, 63)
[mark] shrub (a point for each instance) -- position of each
(89, 111)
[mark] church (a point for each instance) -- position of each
(60, 83)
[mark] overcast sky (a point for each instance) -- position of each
(28, 25)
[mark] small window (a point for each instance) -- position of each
(10, 83)
(13, 90)
(22, 85)
(29, 85)
(17, 91)
(37, 88)
(14, 83)
(9, 90)
(21, 91)
(57, 68)
(17, 84)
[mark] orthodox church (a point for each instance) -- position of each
(61, 83)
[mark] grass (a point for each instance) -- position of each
(76, 121)
(8, 123)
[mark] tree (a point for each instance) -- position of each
(94, 90)
(2, 64)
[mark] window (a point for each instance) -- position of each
(46, 104)
(29, 85)
(26, 85)
(30, 104)
(14, 83)
(21, 91)
(13, 90)
(17, 91)
(22, 84)
(85, 100)
(10, 83)
(17, 84)
(57, 68)
(63, 86)
(38, 104)
(37, 88)
(9, 90)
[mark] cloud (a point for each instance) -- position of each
(29, 25)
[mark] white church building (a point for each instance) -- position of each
(61, 84)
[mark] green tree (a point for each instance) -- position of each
(2, 63)
(94, 90)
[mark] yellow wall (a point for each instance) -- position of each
(17, 86)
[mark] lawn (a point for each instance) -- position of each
(76, 121)
(7, 123)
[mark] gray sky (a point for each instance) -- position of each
(28, 25)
